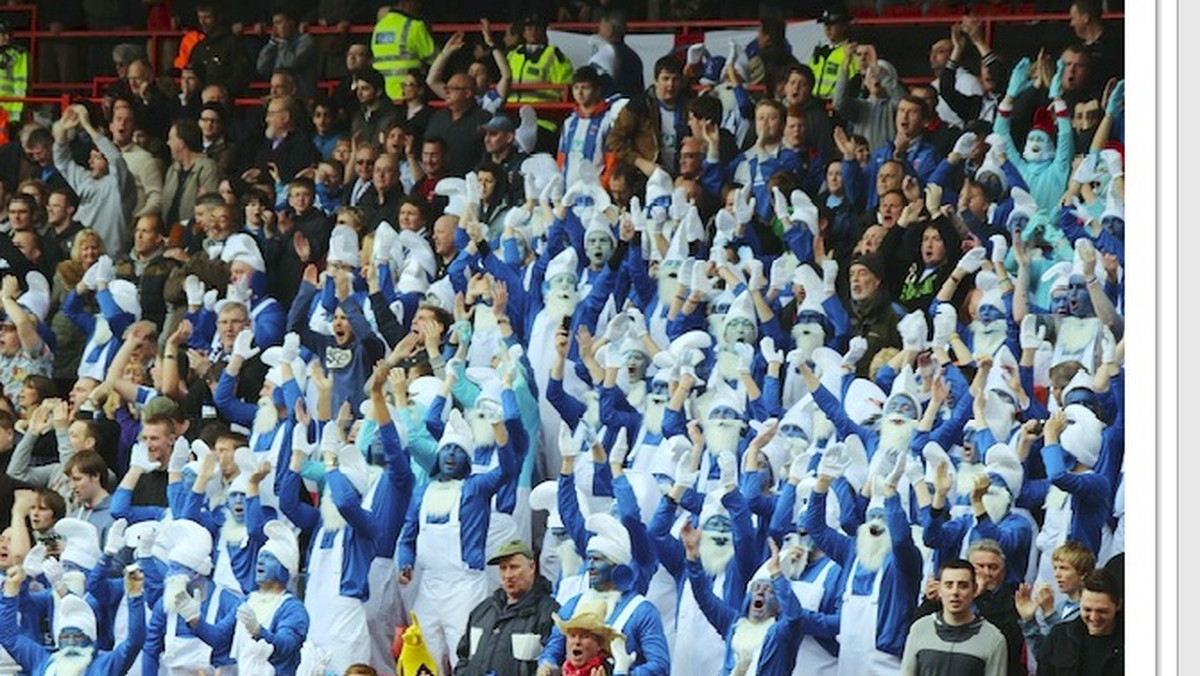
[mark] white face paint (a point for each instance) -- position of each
(739, 330)
(1038, 147)
(599, 247)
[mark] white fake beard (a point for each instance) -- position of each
(808, 338)
(266, 417)
(964, 483)
(996, 501)
(793, 561)
(569, 561)
(635, 394)
(722, 435)
(896, 435)
(1044, 153)
(999, 416)
(797, 447)
(559, 305)
(987, 338)
(75, 582)
(485, 320)
(727, 364)
(656, 408)
(872, 550)
(173, 586)
(441, 496)
(716, 321)
(715, 558)
(481, 430)
(667, 286)
(262, 603)
(71, 661)
(595, 596)
(331, 519)
(748, 636)
(233, 531)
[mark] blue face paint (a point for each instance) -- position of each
(903, 406)
(810, 317)
(174, 568)
(990, 313)
(453, 462)
(660, 388)
(1017, 224)
(600, 571)
(72, 567)
(267, 568)
(792, 431)
(875, 513)
(73, 637)
(1115, 225)
(1077, 294)
(724, 413)
(1060, 302)
(236, 504)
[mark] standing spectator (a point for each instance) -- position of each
(152, 108)
(587, 131)
(536, 61)
(414, 106)
(58, 58)
(14, 72)
(190, 175)
(628, 79)
(106, 189)
(375, 110)
(514, 621)
(1105, 49)
(144, 167)
(60, 220)
(146, 267)
(965, 83)
(1094, 642)
(289, 48)
(499, 143)
(219, 58)
(287, 149)
(460, 124)
(650, 128)
(490, 95)
(955, 640)
(400, 42)
(358, 57)
(828, 59)
(381, 200)
(215, 144)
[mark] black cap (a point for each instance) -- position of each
(372, 77)
(872, 262)
(533, 20)
(834, 16)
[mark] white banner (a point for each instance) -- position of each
(579, 48)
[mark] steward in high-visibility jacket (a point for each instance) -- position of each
(14, 72)
(399, 43)
(532, 64)
(826, 60)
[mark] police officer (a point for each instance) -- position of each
(14, 72)
(399, 43)
(828, 58)
(537, 61)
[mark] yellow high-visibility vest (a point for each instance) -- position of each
(825, 67)
(551, 66)
(14, 78)
(399, 43)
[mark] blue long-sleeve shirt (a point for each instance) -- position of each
(349, 365)
(35, 659)
(156, 632)
(289, 627)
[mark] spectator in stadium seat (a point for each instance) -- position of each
(499, 145)
(215, 143)
(798, 92)
(106, 189)
(965, 83)
(152, 108)
(358, 56)
(1094, 642)
(220, 56)
(760, 162)
(289, 48)
(144, 167)
(587, 129)
(460, 124)
(650, 128)
(375, 110)
(628, 79)
(287, 148)
(190, 175)
(145, 266)
(910, 147)
(60, 220)
(874, 116)
(1105, 49)
(381, 199)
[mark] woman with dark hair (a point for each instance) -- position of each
(414, 107)
(190, 175)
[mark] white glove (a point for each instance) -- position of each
(637, 323)
(474, 189)
(913, 330)
(553, 192)
(834, 461)
(769, 351)
(891, 466)
(115, 540)
(242, 345)
(290, 351)
(1113, 162)
(732, 56)
(611, 357)
(194, 289)
(90, 276)
(829, 273)
(53, 571)
(616, 329)
(700, 283)
(622, 660)
(695, 54)
(531, 191)
(140, 457)
(743, 205)
(727, 463)
(965, 145)
(145, 545)
(1032, 335)
(745, 356)
(782, 212)
(1086, 171)
(780, 279)
(944, 323)
(515, 217)
(999, 249)
(914, 470)
(637, 214)
(685, 476)
(804, 211)
(679, 205)
(567, 448)
(755, 277)
(181, 454)
(248, 619)
(1108, 346)
(972, 260)
(994, 141)
(620, 448)
(35, 560)
(858, 347)
(798, 470)
(726, 223)
(239, 293)
(210, 299)
(188, 606)
(104, 273)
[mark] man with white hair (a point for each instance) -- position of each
(270, 625)
(610, 594)
(77, 654)
(884, 568)
(188, 594)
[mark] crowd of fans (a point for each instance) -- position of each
(764, 366)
